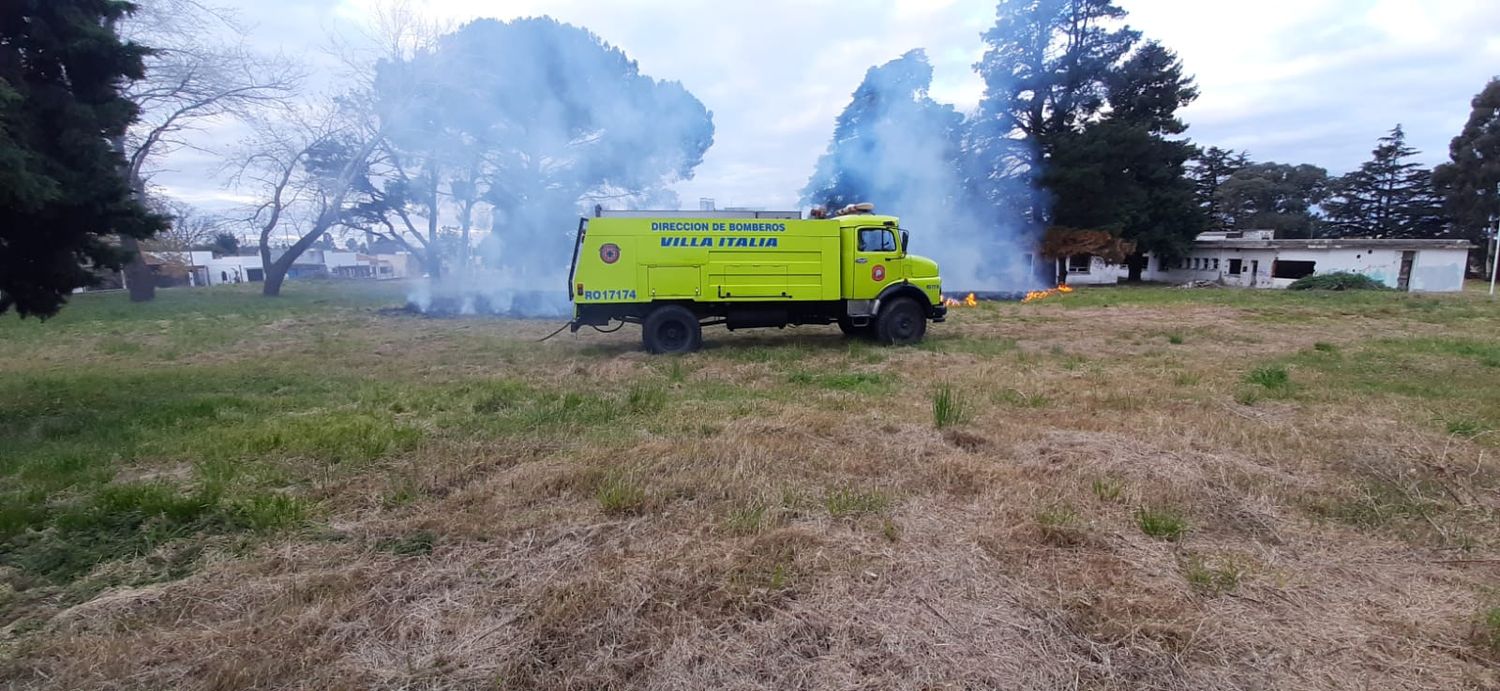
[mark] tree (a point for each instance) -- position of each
(62, 187)
(1044, 70)
(192, 77)
(1046, 63)
(188, 228)
(1123, 173)
(1210, 170)
(530, 117)
(1470, 180)
(893, 145)
(1273, 196)
(306, 169)
(1390, 196)
(225, 244)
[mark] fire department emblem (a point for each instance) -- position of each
(609, 253)
(878, 273)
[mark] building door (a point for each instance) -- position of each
(1254, 272)
(1403, 280)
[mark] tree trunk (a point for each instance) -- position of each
(276, 271)
(138, 277)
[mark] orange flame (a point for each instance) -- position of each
(1043, 294)
(969, 301)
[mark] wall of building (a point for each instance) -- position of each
(1433, 269)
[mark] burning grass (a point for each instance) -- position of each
(1050, 494)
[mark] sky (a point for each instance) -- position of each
(1292, 81)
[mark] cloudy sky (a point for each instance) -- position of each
(1314, 81)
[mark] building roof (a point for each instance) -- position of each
(1331, 244)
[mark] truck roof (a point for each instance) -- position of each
(690, 213)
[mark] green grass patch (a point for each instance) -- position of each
(1161, 523)
(869, 382)
(1487, 631)
(1060, 525)
(852, 503)
(417, 544)
(1213, 577)
(948, 408)
(970, 345)
(1108, 489)
(1271, 378)
(620, 494)
(1018, 399)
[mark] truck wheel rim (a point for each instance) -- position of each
(905, 326)
(672, 335)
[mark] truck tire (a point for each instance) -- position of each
(901, 322)
(672, 329)
(847, 326)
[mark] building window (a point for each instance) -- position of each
(1080, 263)
(1235, 266)
(1164, 264)
(1216, 264)
(1287, 269)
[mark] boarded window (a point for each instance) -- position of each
(1287, 269)
(1080, 263)
(1235, 267)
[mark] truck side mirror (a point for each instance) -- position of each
(905, 238)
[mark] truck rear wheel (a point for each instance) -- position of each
(672, 329)
(901, 322)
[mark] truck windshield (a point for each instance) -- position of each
(877, 240)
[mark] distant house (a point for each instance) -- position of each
(1257, 259)
(313, 263)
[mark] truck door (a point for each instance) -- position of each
(875, 262)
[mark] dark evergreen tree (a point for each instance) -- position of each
(1123, 173)
(1470, 181)
(1273, 196)
(1390, 196)
(1210, 169)
(62, 188)
(890, 118)
(1044, 70)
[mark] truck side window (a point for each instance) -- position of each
(877, 240)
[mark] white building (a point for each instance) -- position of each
(1256, 259)
(313, 263)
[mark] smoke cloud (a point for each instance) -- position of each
(534, 121)
(926, 163)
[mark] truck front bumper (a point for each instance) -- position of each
(938, 313)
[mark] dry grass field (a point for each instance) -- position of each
(1118, 488)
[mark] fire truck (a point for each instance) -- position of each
(674, 273)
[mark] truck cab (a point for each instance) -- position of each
(676, 272)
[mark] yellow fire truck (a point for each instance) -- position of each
(676, 272)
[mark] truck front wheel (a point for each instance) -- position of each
(901, 322)
(672, 329)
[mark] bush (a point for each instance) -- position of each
(1341, 280)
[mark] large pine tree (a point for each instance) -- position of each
(62, 191)
(1126, 173)
(1390, 196)
(1470, 181)
(1210, 170)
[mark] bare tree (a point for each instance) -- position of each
(308, 169)
(194, 79)
(190, 227)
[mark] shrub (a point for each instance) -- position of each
(1340, 280)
